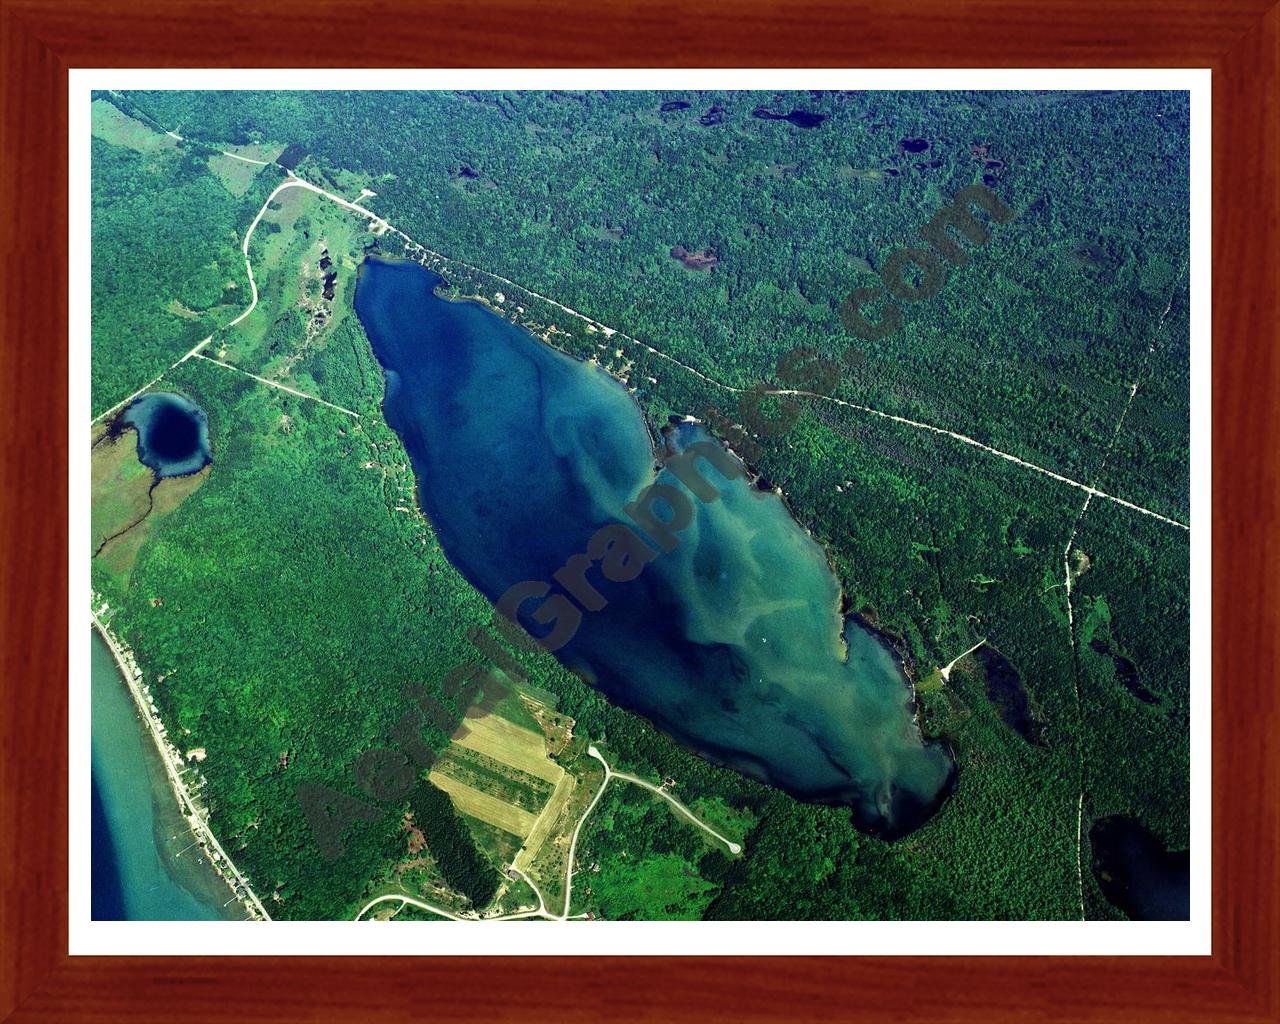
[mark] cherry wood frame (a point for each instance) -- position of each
(40, 39)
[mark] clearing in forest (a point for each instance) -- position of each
(500, 772)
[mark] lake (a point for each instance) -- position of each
(141, 871)
(173, 433)
(1137, 874)
(732, 643)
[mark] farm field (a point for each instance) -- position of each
(500, 774)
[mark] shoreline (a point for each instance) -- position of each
(171, 758)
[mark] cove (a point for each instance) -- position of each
(173, 433)
(137, 832)
(732, 643)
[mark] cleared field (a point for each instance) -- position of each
(120, 486)
(499, 774)
(298, 232)
(547, 863)
(125, 504)
(236, 175)
(267, 151)
(548, 819)
(503, 741)
(528, 792)
(514, 709)
(118, 554)
(109, 122)
(490, 809)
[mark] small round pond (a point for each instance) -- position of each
(173, 433)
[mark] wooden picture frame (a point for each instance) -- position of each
(42, 39)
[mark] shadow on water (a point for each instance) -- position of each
(1126, 671)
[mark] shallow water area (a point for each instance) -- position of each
(731, 642)
(145, 863)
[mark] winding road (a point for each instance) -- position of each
(542, 911)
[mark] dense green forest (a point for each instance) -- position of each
(288, 601)
(582, 196)
(454, 851)
(167, 268)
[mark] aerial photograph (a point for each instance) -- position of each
(612, 505)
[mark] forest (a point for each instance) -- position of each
(166, 263)
(295, 601)
(451, 845)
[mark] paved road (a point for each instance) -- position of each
(542, 910)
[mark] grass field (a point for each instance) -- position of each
(661, 886)
(528, 792)
(552, 816)
(547, 861)
(236, 175)
(523, 749)
(499, 774)
(112, 125)
(118, 483)
(124, 505)
(476, 803)
(640, 860)
(302, 243)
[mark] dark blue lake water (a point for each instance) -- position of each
(732, 643)
(1137, 874)
(173, 433)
